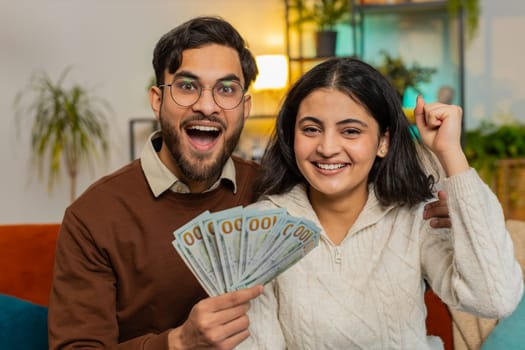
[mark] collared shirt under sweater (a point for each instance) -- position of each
(118, 281)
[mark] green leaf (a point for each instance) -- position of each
(488, 143)
(325, 14)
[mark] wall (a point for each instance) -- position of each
(495, 79)
(109, 44)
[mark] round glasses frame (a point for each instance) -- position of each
(227, 94)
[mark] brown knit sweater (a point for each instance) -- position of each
(117, 277)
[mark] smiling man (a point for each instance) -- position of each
(118, 281)
(203, 115)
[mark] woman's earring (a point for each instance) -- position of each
(382, 151)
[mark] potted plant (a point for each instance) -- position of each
(403, 76)
(472, 10)
(325, 15)
(497, 152)
(68, 126)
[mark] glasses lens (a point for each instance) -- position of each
(185, 91)
(228, 94)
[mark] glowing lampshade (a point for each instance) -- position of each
(273, 72)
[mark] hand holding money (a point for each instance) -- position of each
(243, 247)
(216, 322)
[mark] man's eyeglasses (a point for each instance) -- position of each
(185, 92)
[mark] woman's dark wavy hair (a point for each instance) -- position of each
(398, 178)
(198, 32)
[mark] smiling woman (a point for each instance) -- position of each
(343, 157)
(336, 149)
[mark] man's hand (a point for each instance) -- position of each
(437, 211)
(216, 323)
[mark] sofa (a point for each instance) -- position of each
(27, 253)
(470, 332)
(462, 331)
(26, 261)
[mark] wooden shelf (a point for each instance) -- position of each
(403, 7)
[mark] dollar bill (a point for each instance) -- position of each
(257, 229)
(208, 234)
(275, 267)
(241, 247)
(228, 227)
(190, 246)
(298, 240)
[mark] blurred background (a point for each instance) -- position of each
(107, 46)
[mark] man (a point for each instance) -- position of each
(118, 281)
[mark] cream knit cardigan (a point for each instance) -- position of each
(368, 292)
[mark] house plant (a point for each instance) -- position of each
(403, 76)
(325, 15)
(497, 152)
(472, 10)
(68, 126)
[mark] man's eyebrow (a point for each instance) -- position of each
(185, 74)
(230, 77)
(188, 74)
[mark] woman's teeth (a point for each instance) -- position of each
(330, 166)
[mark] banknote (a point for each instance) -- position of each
(242, 247)
(228, 227)
(287, 250)
(208, 235)
(190, 245)
(257, 228)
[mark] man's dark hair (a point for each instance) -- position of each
(195, 33)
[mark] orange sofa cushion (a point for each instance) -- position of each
(439, 319)
(27, 254)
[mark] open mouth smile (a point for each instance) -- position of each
(203, 137)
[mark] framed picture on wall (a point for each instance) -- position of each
(255, 136)
(139, 131)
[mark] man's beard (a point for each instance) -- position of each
(193, 167)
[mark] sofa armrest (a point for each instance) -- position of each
(469, 331)
(27, 254)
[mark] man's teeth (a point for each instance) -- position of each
(203, 128)
(330, 166)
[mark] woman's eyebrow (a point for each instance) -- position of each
(352, 121)
(310, 119)
(340, 122)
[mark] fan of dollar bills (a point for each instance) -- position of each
(242, 247)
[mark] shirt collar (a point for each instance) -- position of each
(161, 179)
(297, 203)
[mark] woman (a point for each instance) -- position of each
(343, 156)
